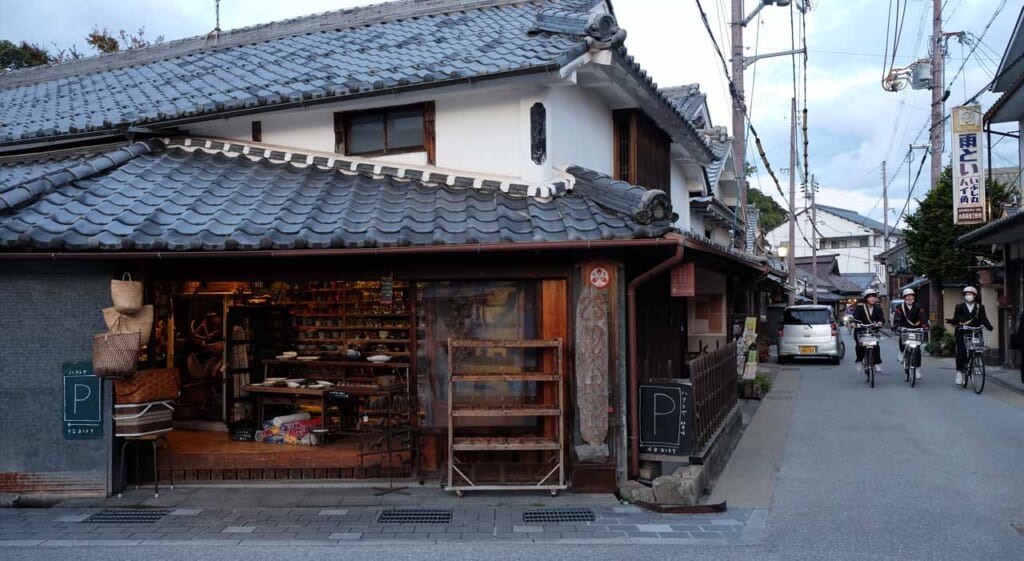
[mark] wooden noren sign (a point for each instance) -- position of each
(684, 280)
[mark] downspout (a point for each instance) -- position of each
(633, 376)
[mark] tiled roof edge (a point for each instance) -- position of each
(601, 29)
(325, 21)
(646, 206)
(27, 191)
(349, 165)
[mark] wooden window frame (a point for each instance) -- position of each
(342, 131)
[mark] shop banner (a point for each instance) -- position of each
(83, 402)
(968, 167)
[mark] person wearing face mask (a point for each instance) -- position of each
(969, 313)
(910, 315)
(868, 312)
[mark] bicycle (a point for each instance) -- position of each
(975, 371)
(912, 339)
(868, 337)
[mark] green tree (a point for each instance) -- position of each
(772, 215)
(22, 55)
(931, 235)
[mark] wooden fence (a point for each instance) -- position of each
(713, 376)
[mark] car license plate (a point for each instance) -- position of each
(808, 350)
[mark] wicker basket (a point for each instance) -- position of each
(141, 323)
(115, 355)
(127, 295)
(158, 384)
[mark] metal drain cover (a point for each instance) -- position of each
(415, 516)
(559, 515)
(134, 516)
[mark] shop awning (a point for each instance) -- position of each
(195, 195)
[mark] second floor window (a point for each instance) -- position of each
(391, 130)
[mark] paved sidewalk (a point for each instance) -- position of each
(472, 521)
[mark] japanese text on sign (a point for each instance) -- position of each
(968, 182)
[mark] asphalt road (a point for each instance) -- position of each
(890, 473)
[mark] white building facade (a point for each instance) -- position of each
(856, 239)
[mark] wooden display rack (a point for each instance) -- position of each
(460, 446)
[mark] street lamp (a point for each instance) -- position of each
(783, 251)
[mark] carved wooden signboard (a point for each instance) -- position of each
(592, 364)
(684, 280)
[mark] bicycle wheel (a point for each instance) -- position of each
(912, 372)
(977, 374)
(870, 362)
(967, 373)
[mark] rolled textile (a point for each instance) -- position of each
(278, 421)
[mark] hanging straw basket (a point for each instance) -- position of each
(141, 322)
(115, 355)
(127, 295)
(157, 384)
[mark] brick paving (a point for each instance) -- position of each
(471, 522)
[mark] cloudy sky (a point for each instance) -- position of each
(854, 125)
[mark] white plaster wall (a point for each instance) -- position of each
(482, 132)
(680, 196)
(482, 129)
(581, 130)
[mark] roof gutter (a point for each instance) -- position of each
(480, 248)
(633, 379)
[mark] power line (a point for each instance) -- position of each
(910, 194)
(999, 9)
(739, 100)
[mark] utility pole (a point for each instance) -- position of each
(937, 132)
(792, 202)
(814, 239)
(739, 106)
(938, 91)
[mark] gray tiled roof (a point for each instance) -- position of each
(376, 48)
(688, 100)
(721, 151)
(862, 280)
(858, 219)
(148, 196)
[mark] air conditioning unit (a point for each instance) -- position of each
(921, 75)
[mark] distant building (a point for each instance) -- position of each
(854, 239)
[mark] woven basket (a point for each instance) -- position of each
(157, 384)
(115, 355)
(127, 295)
(141, 323)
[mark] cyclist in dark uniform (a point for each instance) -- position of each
(969, 313)
(868, 312)
(909, 315)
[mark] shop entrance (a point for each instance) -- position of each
(337, 379)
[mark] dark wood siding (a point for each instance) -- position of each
(642, 150)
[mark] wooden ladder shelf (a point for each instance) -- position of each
(461, 447)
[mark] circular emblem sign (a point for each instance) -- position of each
(599, 277)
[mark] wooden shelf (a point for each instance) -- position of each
(329, 363)
(548, 414)
(522, 377)
(372, 327)
(505, 343)
(386, 315)
(483, 444)
(520, 411)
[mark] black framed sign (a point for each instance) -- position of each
(665, 410)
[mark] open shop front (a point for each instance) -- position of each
(336, 379)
